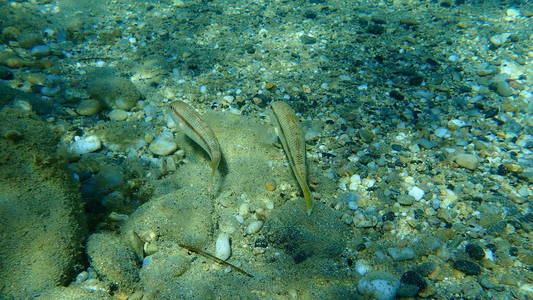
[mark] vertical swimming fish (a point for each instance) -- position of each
(195, 128)
(289, 131)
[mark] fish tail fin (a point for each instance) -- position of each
(308, 197)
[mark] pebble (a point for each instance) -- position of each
(40, 50)
(355, 181)
(118, 115)
(379, 285)
(6, 74)
(254, 227)
(441, 132)
(502, 88)
(475, 251)
(401, 253)
(406, 200)
(223, 246)
(163, 145)
(270, 186)
(411, 284)
(499, 39)
(468, 161)
(88, 107)
(467, 267)
(85, 144)
(416, 193)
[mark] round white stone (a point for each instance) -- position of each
(222, 246)
(163, 145)
(85, 144)
(416, 192)
(254, 227)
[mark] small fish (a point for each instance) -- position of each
(289, 131)
(195, 128)
(218, 260)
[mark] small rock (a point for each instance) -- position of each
(254, 227)
(379, 285)
(512, 12)
(475, 251)
(222, 246)
(499, 39)
(406, 200)
(467, 267)
(118, 115)
(361, 220)
(416, 193)
(468, 161)
(401, 253)
(6, 74)
(88, 107)
(40, 50)
(502, 88)
(411, 284)
(441, 132)
(163, 145)
(85, 144)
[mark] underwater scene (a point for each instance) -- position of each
(283, 149)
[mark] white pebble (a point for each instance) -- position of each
(362, 267)
(355, 181)
(222, 246)
(244, 209)
(512, 12)
(163, 145)
(456, 123)
(499, 39)
(254, 227)
(416, 192)
(85, 144)
(441, 132)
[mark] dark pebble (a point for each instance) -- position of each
(413, 278)
(475, 251)
(388, 216)
(6, 74)
(396, 147)
(375, 29)
(467, 267)
(309, 15)
(396, 95)
(426, 268)
(416, 81)
(261, 243)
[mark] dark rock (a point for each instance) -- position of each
(375, 29)
(261, 242)
(6, 74)
(467, 267)
(388, 216)
(475, 251)
(410, 284)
